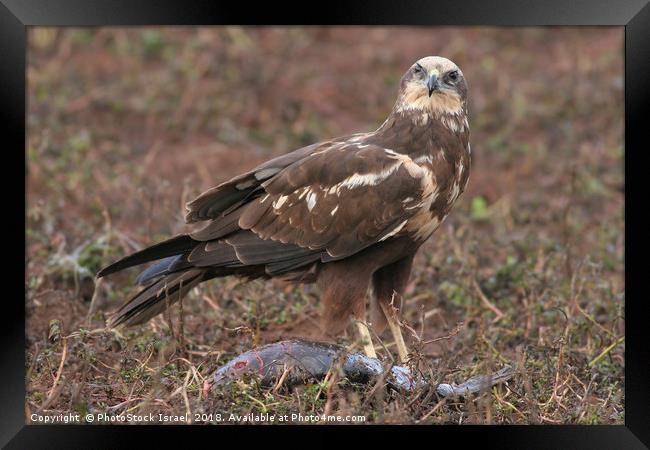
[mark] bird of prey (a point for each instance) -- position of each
(348, 213)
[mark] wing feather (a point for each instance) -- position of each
(326, 201)
(339, 200)
(233, 193)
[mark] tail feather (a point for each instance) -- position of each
(171, 247)
(154, 299)
(182, 262)
(162, 267)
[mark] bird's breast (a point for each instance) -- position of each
(447, 177)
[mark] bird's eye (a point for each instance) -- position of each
(418, 68)
(453, 76)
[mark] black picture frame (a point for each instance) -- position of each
(634, 15)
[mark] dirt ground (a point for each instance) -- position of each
(127, 124)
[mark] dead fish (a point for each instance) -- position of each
(298, 362)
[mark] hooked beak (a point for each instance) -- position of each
(432, 83)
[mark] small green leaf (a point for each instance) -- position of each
(479, 208)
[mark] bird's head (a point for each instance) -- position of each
(433, 85)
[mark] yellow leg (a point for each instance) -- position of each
(366, 340)
(393, 323)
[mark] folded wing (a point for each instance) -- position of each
(338, 200)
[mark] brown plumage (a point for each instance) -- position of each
(347, 213)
